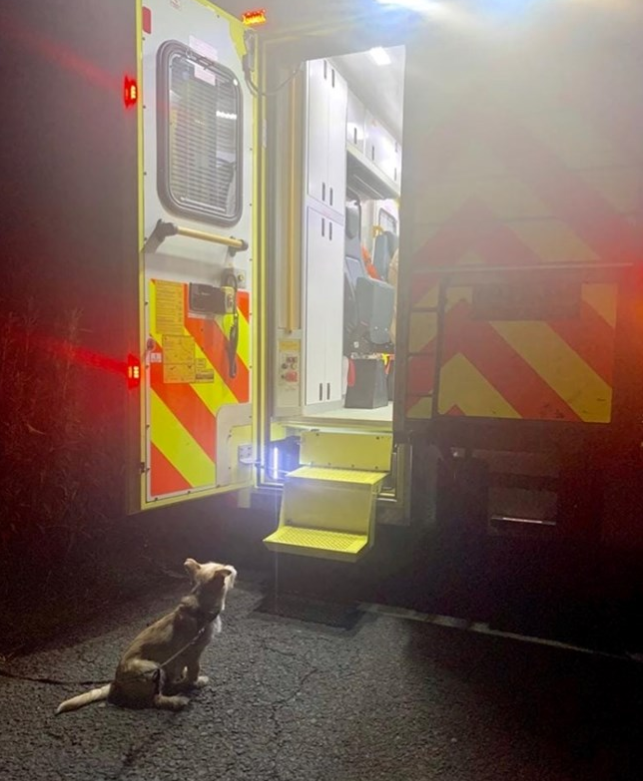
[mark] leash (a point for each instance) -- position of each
(185, 648)
(49, 681)
(4, 673)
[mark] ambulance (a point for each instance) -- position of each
(388, 267)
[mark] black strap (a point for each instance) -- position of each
(233, 339)
(49, 681)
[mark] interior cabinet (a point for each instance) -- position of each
(398, 163)
(381, 149)
(356, 122)
(324, 296)
(371, 138)
(317, 147)
(388, 162)
(326, 136)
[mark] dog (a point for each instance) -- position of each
(163, 662)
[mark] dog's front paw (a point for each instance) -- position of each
(175, 702)
(201, 681)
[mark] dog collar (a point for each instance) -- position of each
(203, 618)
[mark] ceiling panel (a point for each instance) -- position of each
(379, 87)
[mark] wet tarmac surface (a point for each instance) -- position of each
(377, 697)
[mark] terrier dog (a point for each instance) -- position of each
(163, 662)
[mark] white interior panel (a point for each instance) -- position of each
(337, 114)
(317, 147)
(332, 295)
(316, 248)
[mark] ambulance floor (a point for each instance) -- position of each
(377, 415)
(384, 699)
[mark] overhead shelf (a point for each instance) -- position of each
(366, 180)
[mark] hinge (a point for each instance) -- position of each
(250, 40)
(142, 467)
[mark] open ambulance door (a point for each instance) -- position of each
(196, 181)
(515, 374)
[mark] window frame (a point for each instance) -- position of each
(166, 52)
(390, 217)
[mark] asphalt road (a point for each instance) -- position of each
(390, 699)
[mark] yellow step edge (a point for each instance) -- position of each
(355, 476)
(327, 513)
(317, 543)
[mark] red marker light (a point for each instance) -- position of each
(254, 18)
(133, 372)
(130, 92)
(147, 20)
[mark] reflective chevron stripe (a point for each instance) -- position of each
(189, 381)
(506, 184)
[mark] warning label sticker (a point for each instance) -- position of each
(289, 373)
(204, 372)
(179, 361)
(170, 307)
(210, 53)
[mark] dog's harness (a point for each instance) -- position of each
(203, 620)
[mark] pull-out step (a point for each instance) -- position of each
(327, 513)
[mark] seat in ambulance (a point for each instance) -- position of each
(368, 303)
(384, 248)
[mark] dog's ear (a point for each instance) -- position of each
(192, 567)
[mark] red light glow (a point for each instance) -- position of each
(130, 92)
(133, 372)
(254, 18)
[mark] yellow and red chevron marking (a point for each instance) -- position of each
(183, 416)
(500, 191)
(520, 369)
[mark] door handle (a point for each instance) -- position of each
(164, 230)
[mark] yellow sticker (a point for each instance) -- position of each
(204, 372)
(170, 307)
(289, 373)
(179, 360)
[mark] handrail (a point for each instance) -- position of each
(163, 230)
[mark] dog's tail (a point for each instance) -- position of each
(95, 695)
